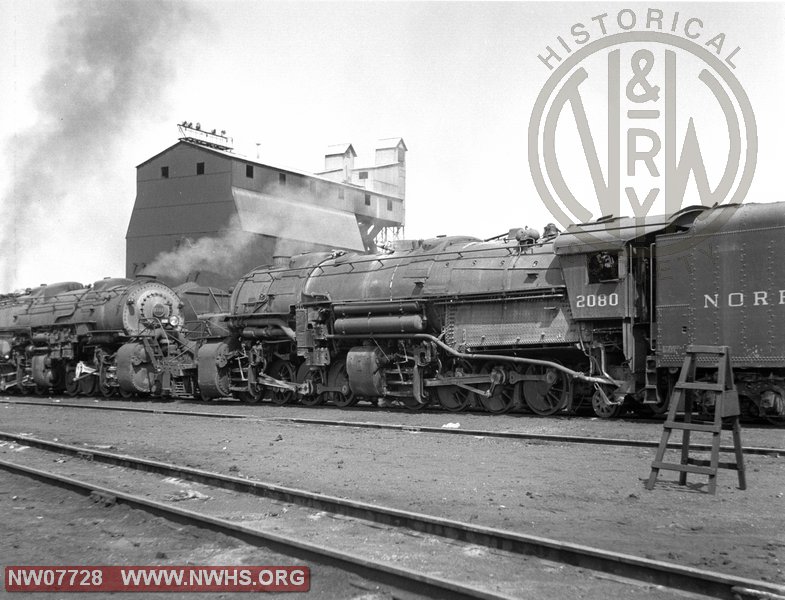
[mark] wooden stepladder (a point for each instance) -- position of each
(726, 407)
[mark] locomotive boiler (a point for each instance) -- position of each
(600, 313)
(452, 321)
(106, 337)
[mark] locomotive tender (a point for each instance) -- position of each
(603, 311)
(112, 336)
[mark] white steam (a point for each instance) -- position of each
(218, 254)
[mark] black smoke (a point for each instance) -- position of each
(109, 65)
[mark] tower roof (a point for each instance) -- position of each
(394, 142)
(340, 150)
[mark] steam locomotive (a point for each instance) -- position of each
(108, 337)
(601, 313)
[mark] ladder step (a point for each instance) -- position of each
(683, 468)
(692, 427)
(699, 385)
(700, 462)
(727, 406)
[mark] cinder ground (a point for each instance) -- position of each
(585, 494)
(44, 525)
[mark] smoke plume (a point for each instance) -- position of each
(224, 258)
(109, 63)
(218, 254)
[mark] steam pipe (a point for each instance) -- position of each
(251, 330)
(501, 357)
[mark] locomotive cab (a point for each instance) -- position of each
(609, 268)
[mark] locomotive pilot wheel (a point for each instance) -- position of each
(24, 386)
(106, 389)
(548, 395)
(253, 394)
(71, 384)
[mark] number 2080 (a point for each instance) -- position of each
(592, 300)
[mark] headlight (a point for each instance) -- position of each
(174, 320)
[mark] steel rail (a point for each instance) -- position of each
(518, 435)
(386, 574)
(656, 572)
(512, 435)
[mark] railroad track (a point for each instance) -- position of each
(512, 435)
(622, 565)
(401, 578)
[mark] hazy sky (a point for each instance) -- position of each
(89, 94)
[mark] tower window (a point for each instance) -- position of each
(249, 171)
(165, 172)
(200, 168)
(389, 203)
(282, 178)
(363, 175)
(367, 199)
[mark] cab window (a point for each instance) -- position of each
(603, 266)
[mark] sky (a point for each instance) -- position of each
(92, 89)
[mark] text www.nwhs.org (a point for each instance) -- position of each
(157, 579)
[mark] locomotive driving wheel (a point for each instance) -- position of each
(339, 377)
(503, 396)
(283, 370)
(548, 395)
(313, 376)
(452, 397)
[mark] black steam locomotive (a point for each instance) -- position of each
(104, 338)
(601, 313)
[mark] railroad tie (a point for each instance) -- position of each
(726, 407)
